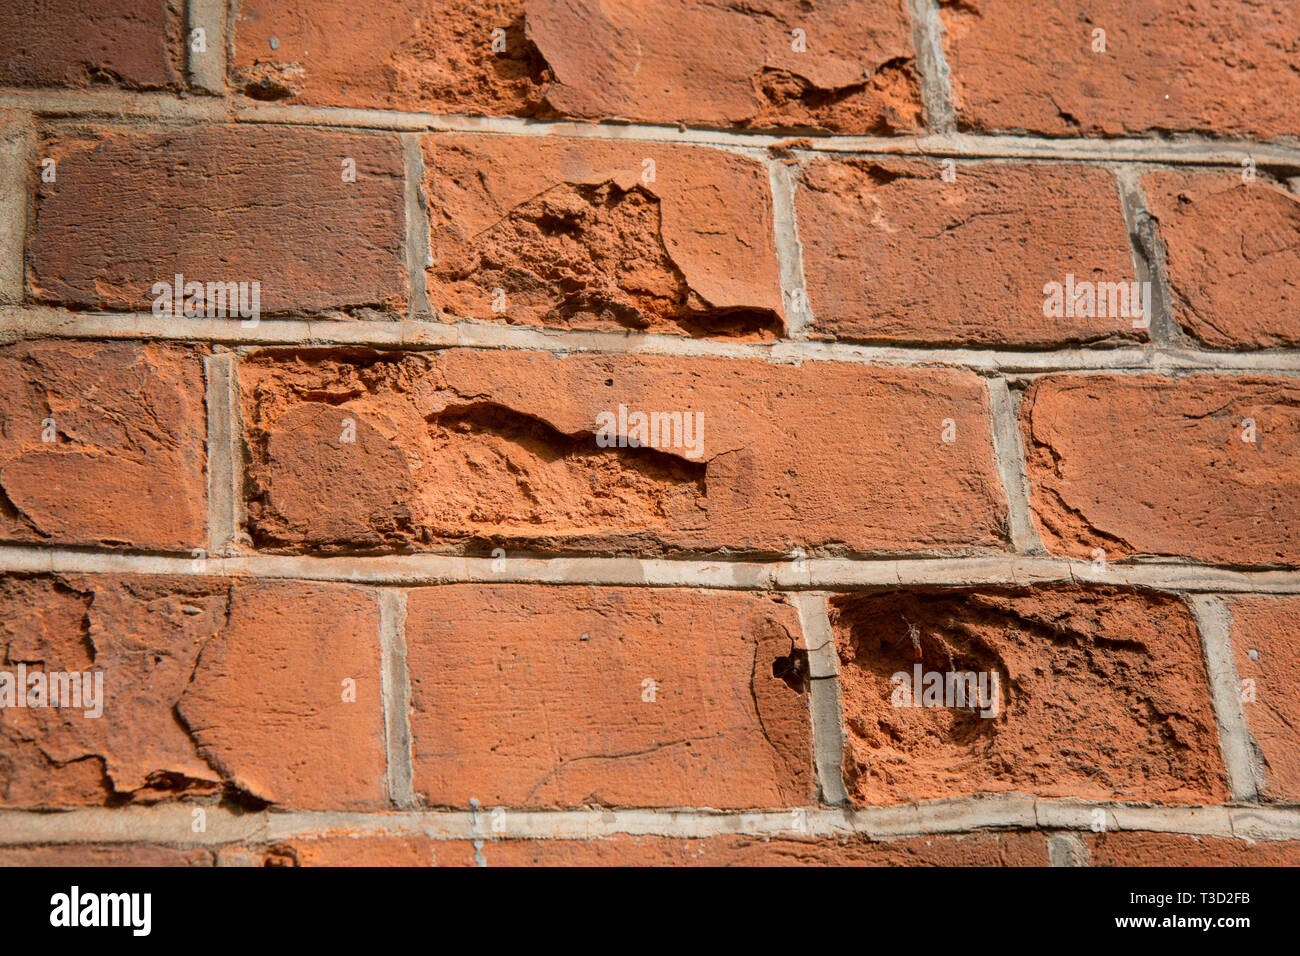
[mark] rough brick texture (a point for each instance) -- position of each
(210, 686)
(530, 696)
(1196, 67)
(134, 44)
(1102, 696)
(577, 432)
(221, 204)
(1148, 465)
(583, 234)
(1233, 252)
(102, 443)
(683, 61)
(1266, 650)
(463, 447)
(893, 252)
(975, 849)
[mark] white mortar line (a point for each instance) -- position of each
(173, 824)
(49, 321)
(207, 70)
(16, 178)
(783, 179)
(932, 64)
(418, 254)
(1214, 622)
(825, 709)
(116, 104)
(1009, 453)
(819, 573)
(224, 459)
(397, 698)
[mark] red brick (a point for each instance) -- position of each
(115, 855)
(533, 696)
(1148, 465)
(893, 253)
(462, 447)
(683, 61)
(1200, 66)
(126, 466)
(127, 43)
(1177, 849)
(1103, 695)
(575, 237)
(423, 55)
(975, 849)
(1269, 629)
(130, 208)
(731, 63)
(267, 705)
(1233, 251)
(208, 686)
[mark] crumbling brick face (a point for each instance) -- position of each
(677, 433)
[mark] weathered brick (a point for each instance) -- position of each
(208, 685)
(1149, 465)
(1266, 647)
(894, 253)
(124, 463)
(686, 61)
(1233, 251)
(425, 55)
(974, 849)
(1200, 66)
(1102, 694)
(732, 63)
(130, 208)
(602, 235)
(1177, 849)
(467, 448)
(126, 43)
(531, 696)
(108, 854)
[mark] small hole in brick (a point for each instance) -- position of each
(793, 669)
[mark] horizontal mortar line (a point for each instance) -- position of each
(809, 573)
(1190, 149)
(51, 321)
(175, 824)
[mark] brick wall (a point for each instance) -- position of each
(572, 433)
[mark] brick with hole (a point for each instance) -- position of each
(534, 696)
(1233, 256)
(915, 251)
(127, 44)
(1225, 70)
(582, 234)
(1266, 649)
(1201, 467)
(208, 687)
(102, 443)
(465, 450)
(1100, 694)
(848, 69)
(216, 204)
